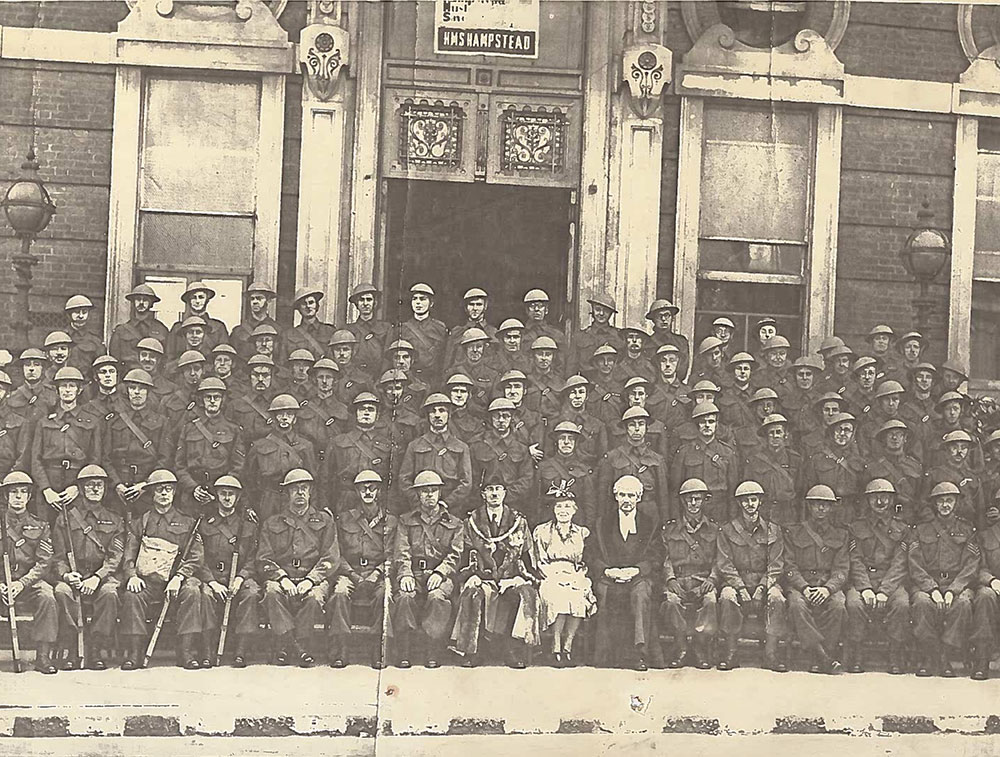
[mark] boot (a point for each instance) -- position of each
(239, 655)
(98, 654)
(435, 652)
(852, 659)
(774, 655)
(403, 650)
(729, 661)
(338, 658)
(133, 655)
(682, 657)
(208, 642)
(947, 669)
(928, 654)
(43, 661)
(186, 657)
(515, 654)
(703, 651)
(640, 658)
(896, 666)
(981, 663)
(823, 663)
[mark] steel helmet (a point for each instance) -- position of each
(283, 402)
(829, 343)
(193, 320)
(723, 321)
(436, 398)
(161, 476)
(658, 305)
(747, 488)
(365, 398)
(500, 403)
(473, 293)
(567, 427)
(880, 486)
(776, 342)
(91, 471)
(142, 290)
(259, 360)
(474, 334)
(708, 344)
(705, 386)
(767, 320)
(342, 336)
(957, 436)
(544, 343)
(211, 384)
(399, 344)
(513, 375)
(68, 373)
(603, 299)
(764, 393)
(693, 485)
(704, 408)
(360, 289)
(605, 349)
(5, 379)
(774, 419)
(368, 476)
(57, 337)
(636, 328)
(265, 329)
(635, 412)
(459, 379)
(190, 358)
(944, 488)
(197, 286)
(228, 482)
(863, 362)
(821, 492)
(421, 288)
(104, 360)
(33, 353)
(78, 301)
(326, 364)
(304, 292)
(889, 425)
(427, 478)
(260, 288)
(949, 397)
(297, 476)
(839, 418)
(812, 362)
(16, 477)
(888, 388)
(224, 349)
(880, 329)
(838, 351)
(668, 347)
(392, 374)
(151, 344)
(742, 357)
(535, 295)
(954, 367)
(993, 437)
(929, 367)
(636, 381)
(304, 355)
(510, 324)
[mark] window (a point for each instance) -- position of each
(754, 218)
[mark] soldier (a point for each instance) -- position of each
(136, 440)
(838, 361)
(593, 441)
(536, 307)
(918, 404)
(544, 380)
(210, 445)
(884, 408)
(311, 334)
(739, 386)
(102, 400)
(426, 334)
(723, 329)
(566, 463)
(63, 442)
(153, 544)
(636, 393)
(57, 345)
(777, 372)
(879, 345)
(634, 456)
(985, 618)
(429, 546)
(708, 361)
(476, 302)
(371, 333)
(499, 581)
(824, 408)
(902, 470)
(87, 343)
(876, 589)
(667, 401)
(259, 297)
(511, 354)
(529, 425)
(958, 470)
(599, 332)
(708, 459)
(150, 359)
(990, 473)
(228, 535)
(691, 578)
(249, 410)
(797, 402)
(634, 361)
(367, 535)
(98, 544)
(143, 324)
(860, 394)
(15, 432)
(29, 547)
(34, 398)
(439, 450)
(497, 453)
(817, 564)
(196, 297)
(300, 362)
(765, 328)
(351, 379)
(189, 334)
(605, 396)
(322, 416)
(223, 365)
(662, 313)
(467, 423)
(270, 458)
(264, 339)
(910, 347)
(839, 465)
(400, 357)
(750, 561)
(777, 467)
(469, 360)
(184, 401)
(298, 557)
(953, 416)
(400, 420)
(943, 561)
(364, 447)
(623, 555)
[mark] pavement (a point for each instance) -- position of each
(357, 703)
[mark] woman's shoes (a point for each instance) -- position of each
(557, 660)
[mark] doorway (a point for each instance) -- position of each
(506, 239)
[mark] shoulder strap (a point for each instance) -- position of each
(136, 431)
(198, 424)
(813, 535)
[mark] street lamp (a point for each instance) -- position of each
(926, 251)
(29, 209)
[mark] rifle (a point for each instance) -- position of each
(8, 577)
(229, 605)
(181, 557)
(78, 600)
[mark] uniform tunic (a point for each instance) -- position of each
(350, 453)
(690, 561)
(15, 440)
(905, 474)
(445, 454)
(778, 472)
(268, 460)
(130, 456)
(64, 441)
(714, 463)
(751, 556)
(126, 337)
(986, 604)
(223, 538)
(29, 546)
(314, 336)
(371, 336)
(817, 555)
(208, 448)
(878, 562)
(428, 338)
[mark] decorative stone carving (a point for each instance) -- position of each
(323, 54)
(979, 31)
(646, 69)
(276, 7)
(828, 19)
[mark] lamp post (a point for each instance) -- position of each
(29, 209)
(926, 251)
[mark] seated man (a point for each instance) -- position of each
(428, 549)
(750, 556)
(153, 571)
(367, 536)
(877, 588)
(499, 580)
(817, 562)
(29, 548)
(623, 554)
(298, 556)
(95, 535)
(986, 602)
(691, 576)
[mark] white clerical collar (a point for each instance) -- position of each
(626, 524)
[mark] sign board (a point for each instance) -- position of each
(486, 27)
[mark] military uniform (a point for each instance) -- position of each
(98, 539)
(224, 538)
(349, 454)
(64, 441)
(298, 547)
(986, 604)
(33, 402)
(208, 448)
(15, 440)
(268, 460)
(507, 458)
(135, 445)
(660, 338)
(351, 381)
(878, 562)
(542, 393)
(449, 457)
(639, 461)
(216, 333)
(453, 347)
(320, 420)
(250, 412)
(748, 557)
(555, 469)
(87, 346)
(585, 341)
(714, 463)
(971, 500)
(425, 545)
(593, 441)
(371, 336)
(689, 561)
(484, 375)
(126, 337)
(242, 341)
(29, 545)
(428, 338)
(818, 556)
(604, 399)
(843, 470)
(904, 472)
(668, 403)
(313, 337)
(778, 473)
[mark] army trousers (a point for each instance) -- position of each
(244, 609)
(39, 599)
(985, 618)
(299, 614)
(630, 601)
(817, 625)
(423, 609)
(733, 614)
(135, 607)
(950, 626)
(895, 616)
(688, 600)
(511, 613)
(103, 605)
(340, 608)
